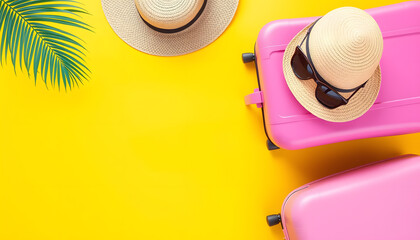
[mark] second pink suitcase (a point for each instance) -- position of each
(396, 111)
(380, 201)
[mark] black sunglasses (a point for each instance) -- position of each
(326, 94)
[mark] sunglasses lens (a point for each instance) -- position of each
(328, 98)
(301, 66)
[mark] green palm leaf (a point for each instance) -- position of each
(32, 32)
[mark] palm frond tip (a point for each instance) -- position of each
(32, 33)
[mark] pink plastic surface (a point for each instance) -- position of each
(396, 110)
(379, 201)
(254, 98)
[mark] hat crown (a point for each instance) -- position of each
(346, 46)
(168, 14)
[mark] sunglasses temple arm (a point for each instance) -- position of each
(348, 99)
(300, 45)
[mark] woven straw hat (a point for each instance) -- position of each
(169, 27)
(345, 46)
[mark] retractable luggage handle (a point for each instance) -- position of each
(254, 98)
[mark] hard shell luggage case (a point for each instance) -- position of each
(380, 201)
(396, 111)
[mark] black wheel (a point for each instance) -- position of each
(273, 220)
(271, 146)
(248, 57)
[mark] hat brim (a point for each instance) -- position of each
(304, 90)
(126, 22)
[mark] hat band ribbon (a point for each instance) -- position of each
(164, 30)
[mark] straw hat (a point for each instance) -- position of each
(169, 27)
(345, 46)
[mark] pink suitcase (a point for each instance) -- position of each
(380, 201)
(396, 111)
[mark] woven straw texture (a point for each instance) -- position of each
(346, 46)
(336, 65)
(126, 22)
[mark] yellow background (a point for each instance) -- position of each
(158, 148)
